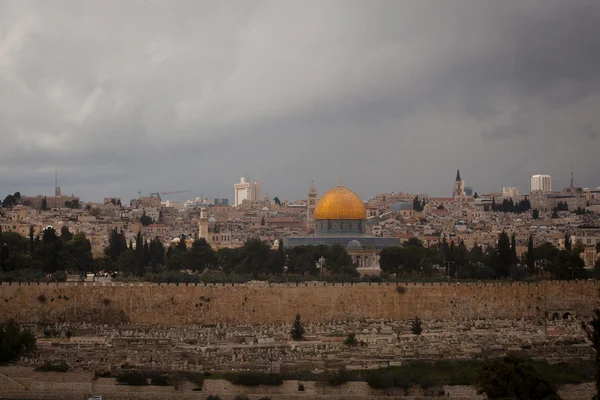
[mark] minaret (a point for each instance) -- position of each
(310, 208)
(203, 225)
(459, 188)
(56, 187)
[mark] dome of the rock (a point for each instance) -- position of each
(340, 203)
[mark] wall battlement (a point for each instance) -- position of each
(264, 303)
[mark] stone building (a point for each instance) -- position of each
(340, 218)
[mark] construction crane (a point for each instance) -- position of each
(157, 194)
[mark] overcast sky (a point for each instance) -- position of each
(151, 95)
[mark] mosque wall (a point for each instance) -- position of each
(261, 303)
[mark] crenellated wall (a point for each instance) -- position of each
(261, 303)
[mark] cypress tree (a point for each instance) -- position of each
(297, 329)
(530, 255)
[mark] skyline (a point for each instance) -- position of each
(193, 194)
(388, 96)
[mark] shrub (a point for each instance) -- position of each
(339, 378)
(351, 340)
(255, 379)
(49, 367)
(132, 378)
(14, 342)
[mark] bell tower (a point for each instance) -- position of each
(459, 188)
(310, 207)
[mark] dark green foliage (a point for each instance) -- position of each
(127, 263)
(592, 330)
(423, 374)
(116, 245)
(530, 255)
(145, 220)
(416, 326)
(297, 331)
(512, 377)
(11, 200)
(14, 342)
(302, 260)
(536, 213)
(50, 367)
(254, 379)
(351, 340)
(508, 206)
(277, 201)
(201, 256)
(44, 204)
(431, 374)
(409, 259)
(132, 378)
(339, 377)
(417, 205)
(567, 241)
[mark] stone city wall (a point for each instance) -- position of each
(262, 303)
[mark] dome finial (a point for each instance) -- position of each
(341, 182)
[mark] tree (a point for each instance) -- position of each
(351, 340)
(515, 378)
(475, 196)
(277, 201)
(416, 326)
(127, 262)
(140, 258)
(145, 220)
(262, 221)
(505, 256)
(117, 244)
(536, 213)
(14, 342)
(201, 256)
(11, 200)
(567, 241)
(65, 234)
(592, 330)
(80, 250)
(530, 255)
(44, 204)
(417, 205)
(297, 331)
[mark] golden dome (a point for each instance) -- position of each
(340, 203)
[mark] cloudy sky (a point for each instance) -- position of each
(150, 95)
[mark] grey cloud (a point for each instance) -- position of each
(150, 96)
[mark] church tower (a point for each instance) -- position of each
(203, 225)
(310, 208)
(459, 188)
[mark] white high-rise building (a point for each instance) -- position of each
(541, 182)
(246, 190)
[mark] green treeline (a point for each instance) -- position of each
(485, 262)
